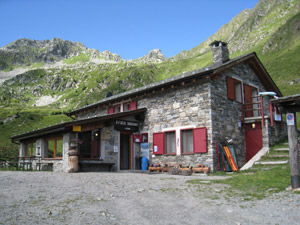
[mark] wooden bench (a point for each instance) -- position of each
(95, 166)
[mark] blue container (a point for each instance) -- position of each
(144, 164)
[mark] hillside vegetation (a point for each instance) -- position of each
(70, 75)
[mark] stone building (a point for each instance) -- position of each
(175, 121)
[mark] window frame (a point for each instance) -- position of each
(27, 145)
(123, 108)
(181, 141)
(165, 142)
(231, 89)
(116, 106)
(132, 105)
(55, 147)
(199, 141)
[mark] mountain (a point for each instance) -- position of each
(43, 79)
(25, 52)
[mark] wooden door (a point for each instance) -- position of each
(253, 136)
(125, 151)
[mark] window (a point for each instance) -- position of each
(29, 150)
(234, 89)
(192, 141)
(123, 107)
(126, 106)
(170, 142)
(187, 141)
(117, 108)
(54, 147)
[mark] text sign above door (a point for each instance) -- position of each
(123, 125)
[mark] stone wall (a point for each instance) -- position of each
(110, 146)
(227, 114)
(100, 111)
(271, 135)
(181, 106)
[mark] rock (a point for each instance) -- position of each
(154, 56)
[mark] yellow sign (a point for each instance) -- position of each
(77, 128)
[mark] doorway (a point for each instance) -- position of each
(253, 136)
(125, 151)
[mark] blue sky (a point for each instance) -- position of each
(129, 28)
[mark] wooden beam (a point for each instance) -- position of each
(291, 109)
(294, 154)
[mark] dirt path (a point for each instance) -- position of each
(132, 198)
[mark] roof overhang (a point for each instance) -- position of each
(288, 104)
(67, 127)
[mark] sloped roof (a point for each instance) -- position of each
(251, 58)
(288, 104)
(67, 126)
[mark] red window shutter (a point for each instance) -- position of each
(158, 143)
(200, 140)
(230, 88)
(137, 138)
(248, 99)
(111, 110)
(132, 106)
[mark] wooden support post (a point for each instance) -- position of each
(294, 153)
(262, 111)
(271, 113)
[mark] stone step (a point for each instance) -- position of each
(278, 156)
(281, 149)
(272, 162)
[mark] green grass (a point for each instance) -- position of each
(38, 65)
(28, 119)
(80, 58)
(255, 183)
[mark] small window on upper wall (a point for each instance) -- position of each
(117, 109)
(126, 106)
(234, 89)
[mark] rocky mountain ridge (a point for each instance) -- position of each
(250, 28)
(25, 52)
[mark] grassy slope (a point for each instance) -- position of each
(255, 183)
(27, 120)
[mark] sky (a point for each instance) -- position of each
(129, 28)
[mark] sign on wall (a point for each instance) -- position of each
(123, 125)
(77, 128)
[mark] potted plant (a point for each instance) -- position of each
(155, 167)
(165, 168)
(74, 142)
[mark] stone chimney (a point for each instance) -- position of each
(220, 52)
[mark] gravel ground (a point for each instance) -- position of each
(133, 198)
